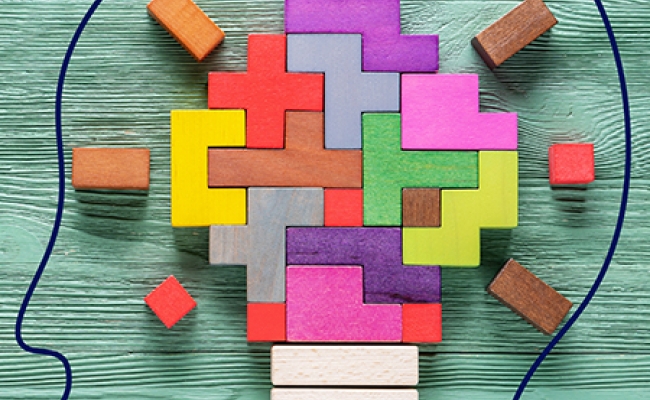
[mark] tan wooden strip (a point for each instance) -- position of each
(344, 394)
(116, 169)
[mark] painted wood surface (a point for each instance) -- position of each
(344, 394)
(125, 76)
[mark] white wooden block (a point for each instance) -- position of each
(344, 394)
(344, 365)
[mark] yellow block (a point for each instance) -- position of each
(465, 212)
(192, 132)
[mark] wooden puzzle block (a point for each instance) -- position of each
(441, 112)
(170, 301)
(314, 365)
(113, 169)
(422, 323)
(188, 24)
(266, 322)
(266, 91)
(384, 47)
(270, 211)
(344, 394)
(571, 163)
(388, 169)
(303, 163)
(326, 304)
(192, 202)
(378, 250)
(513, 32)
(348, 90)
(530, 297)
(343, 207)
(420, 207)
(464, 212)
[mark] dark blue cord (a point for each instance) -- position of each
(59, 211)
(621, 212)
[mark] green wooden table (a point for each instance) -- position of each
(127, 73)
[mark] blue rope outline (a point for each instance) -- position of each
(621, 212)
(59, 210)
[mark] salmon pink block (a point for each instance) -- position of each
(343, 207)
(170, 301)
(422, 323)
(571, 164)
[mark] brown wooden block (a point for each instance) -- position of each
(116, 169)
(513, 32)
(188, 24)
(420, 207)
(304, 162)
(529, 297)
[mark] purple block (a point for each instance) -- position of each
(384, 47)
(378, 250)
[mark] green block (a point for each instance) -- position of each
(387, 169)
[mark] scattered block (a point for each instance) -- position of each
(420, 207)
(170, 301)
(313, 365)
(441, 112)
(530, 297)
(465, 212)
(188, 24)
(513, 32)
(192, 202)
(388, 169)
(571, 163)
(378, 250)
(266, 322)
(343, 207)
(303, 163)
(422, 323)
(325, 304)
(260, 245)
(344, 394)
(384, 47)
(348, 90)
(266, 91)
(112, 169)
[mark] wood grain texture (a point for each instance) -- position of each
(335, 365)
(420, 207)
(344, 394)
(113, 169)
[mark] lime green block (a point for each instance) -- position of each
(465, 212)
(387, 169)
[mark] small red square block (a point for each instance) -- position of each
(170, 301)
(571, 164)
(266, 322)
(421, 323)
(343, 207)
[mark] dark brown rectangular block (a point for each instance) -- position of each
(421, 207)
(513, 32)
(116, 169)
(529, 297)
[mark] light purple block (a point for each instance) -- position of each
(378, 250)
(384, 47)
(441, 112)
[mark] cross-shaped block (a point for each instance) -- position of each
(260, 245)
(266, 91)
(348, 90)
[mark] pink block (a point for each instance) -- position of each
(441, 112)
(325, 303)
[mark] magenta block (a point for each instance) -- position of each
(441, 112)
(326, 304)
(384, 47)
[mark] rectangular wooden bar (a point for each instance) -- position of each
(344, 394)
(115, 169)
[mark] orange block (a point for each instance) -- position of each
(421, 323)
(188, 24)
(116, 169)
(343, 207)
(266, 322)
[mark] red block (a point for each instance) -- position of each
(571, 164)
(422, 323)
(266, 91)
(343, 207)
(266, 322)
(170, 301)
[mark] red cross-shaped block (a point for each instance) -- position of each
(266, 91)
